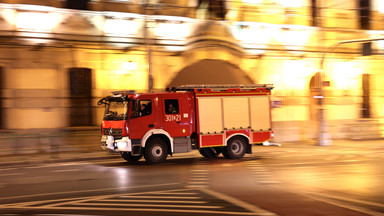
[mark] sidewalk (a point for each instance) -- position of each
(340, 144)
(62, 157)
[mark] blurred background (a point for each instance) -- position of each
(58, 57)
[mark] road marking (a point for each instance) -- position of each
(349, 199)
(88, 199)
(238, 202)
(175, 193)
(84, 191)
(315, 196)
(199, 176)
(10, 174)
(212, 203)
(151, 205)
(164, 197)
(258, 170)
(147, 210)
(155, 201)
(7, 169)
(67, 170)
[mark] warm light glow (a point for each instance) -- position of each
(380, 43)
(292, 3)
(345, 75)
(172, 30)
(122, 176)
(294, 37)
(121, 27)
(254, 36)
(252, 1)
(380, 6)
(35, 21)
(297, 80)
(129, 66)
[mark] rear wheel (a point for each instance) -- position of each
(235, 149)
(128, 157)
(210, 152)
(156, 151)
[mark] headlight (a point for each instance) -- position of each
(121, 145)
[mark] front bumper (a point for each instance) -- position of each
(109, 143)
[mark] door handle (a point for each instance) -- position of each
(151, 125)
(178, 122)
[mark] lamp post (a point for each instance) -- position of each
(148, 47)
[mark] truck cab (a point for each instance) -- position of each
(150, 125)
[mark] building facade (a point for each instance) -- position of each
(57, 58)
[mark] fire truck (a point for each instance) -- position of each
(213, 119)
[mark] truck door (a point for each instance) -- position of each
(142, 118)
(177, 117)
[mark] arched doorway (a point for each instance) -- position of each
(316, 85)
(209, 71)
(80, 84)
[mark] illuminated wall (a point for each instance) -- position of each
(279, 47)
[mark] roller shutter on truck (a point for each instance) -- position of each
(217, 115)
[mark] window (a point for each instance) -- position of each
(365, 13)
(314, 13)
(141, 108)
(171, 106)
(77, 4)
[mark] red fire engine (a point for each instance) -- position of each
(213, 119)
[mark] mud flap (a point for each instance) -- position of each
(249, 149)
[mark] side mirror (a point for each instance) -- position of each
(101, 101)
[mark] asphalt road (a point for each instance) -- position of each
(271, 181)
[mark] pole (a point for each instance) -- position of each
(148, 48)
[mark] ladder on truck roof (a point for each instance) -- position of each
(220, 87)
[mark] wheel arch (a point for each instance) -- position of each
(158, 133)
(241, 136)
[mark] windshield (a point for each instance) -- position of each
(116, 111)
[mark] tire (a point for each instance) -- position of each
(156, 151)
(235, 149)
(210, 152)
(128, 157)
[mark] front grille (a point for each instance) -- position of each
(116, 133)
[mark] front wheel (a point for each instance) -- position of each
(128, 157)
(235, 149)
(156, 151)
